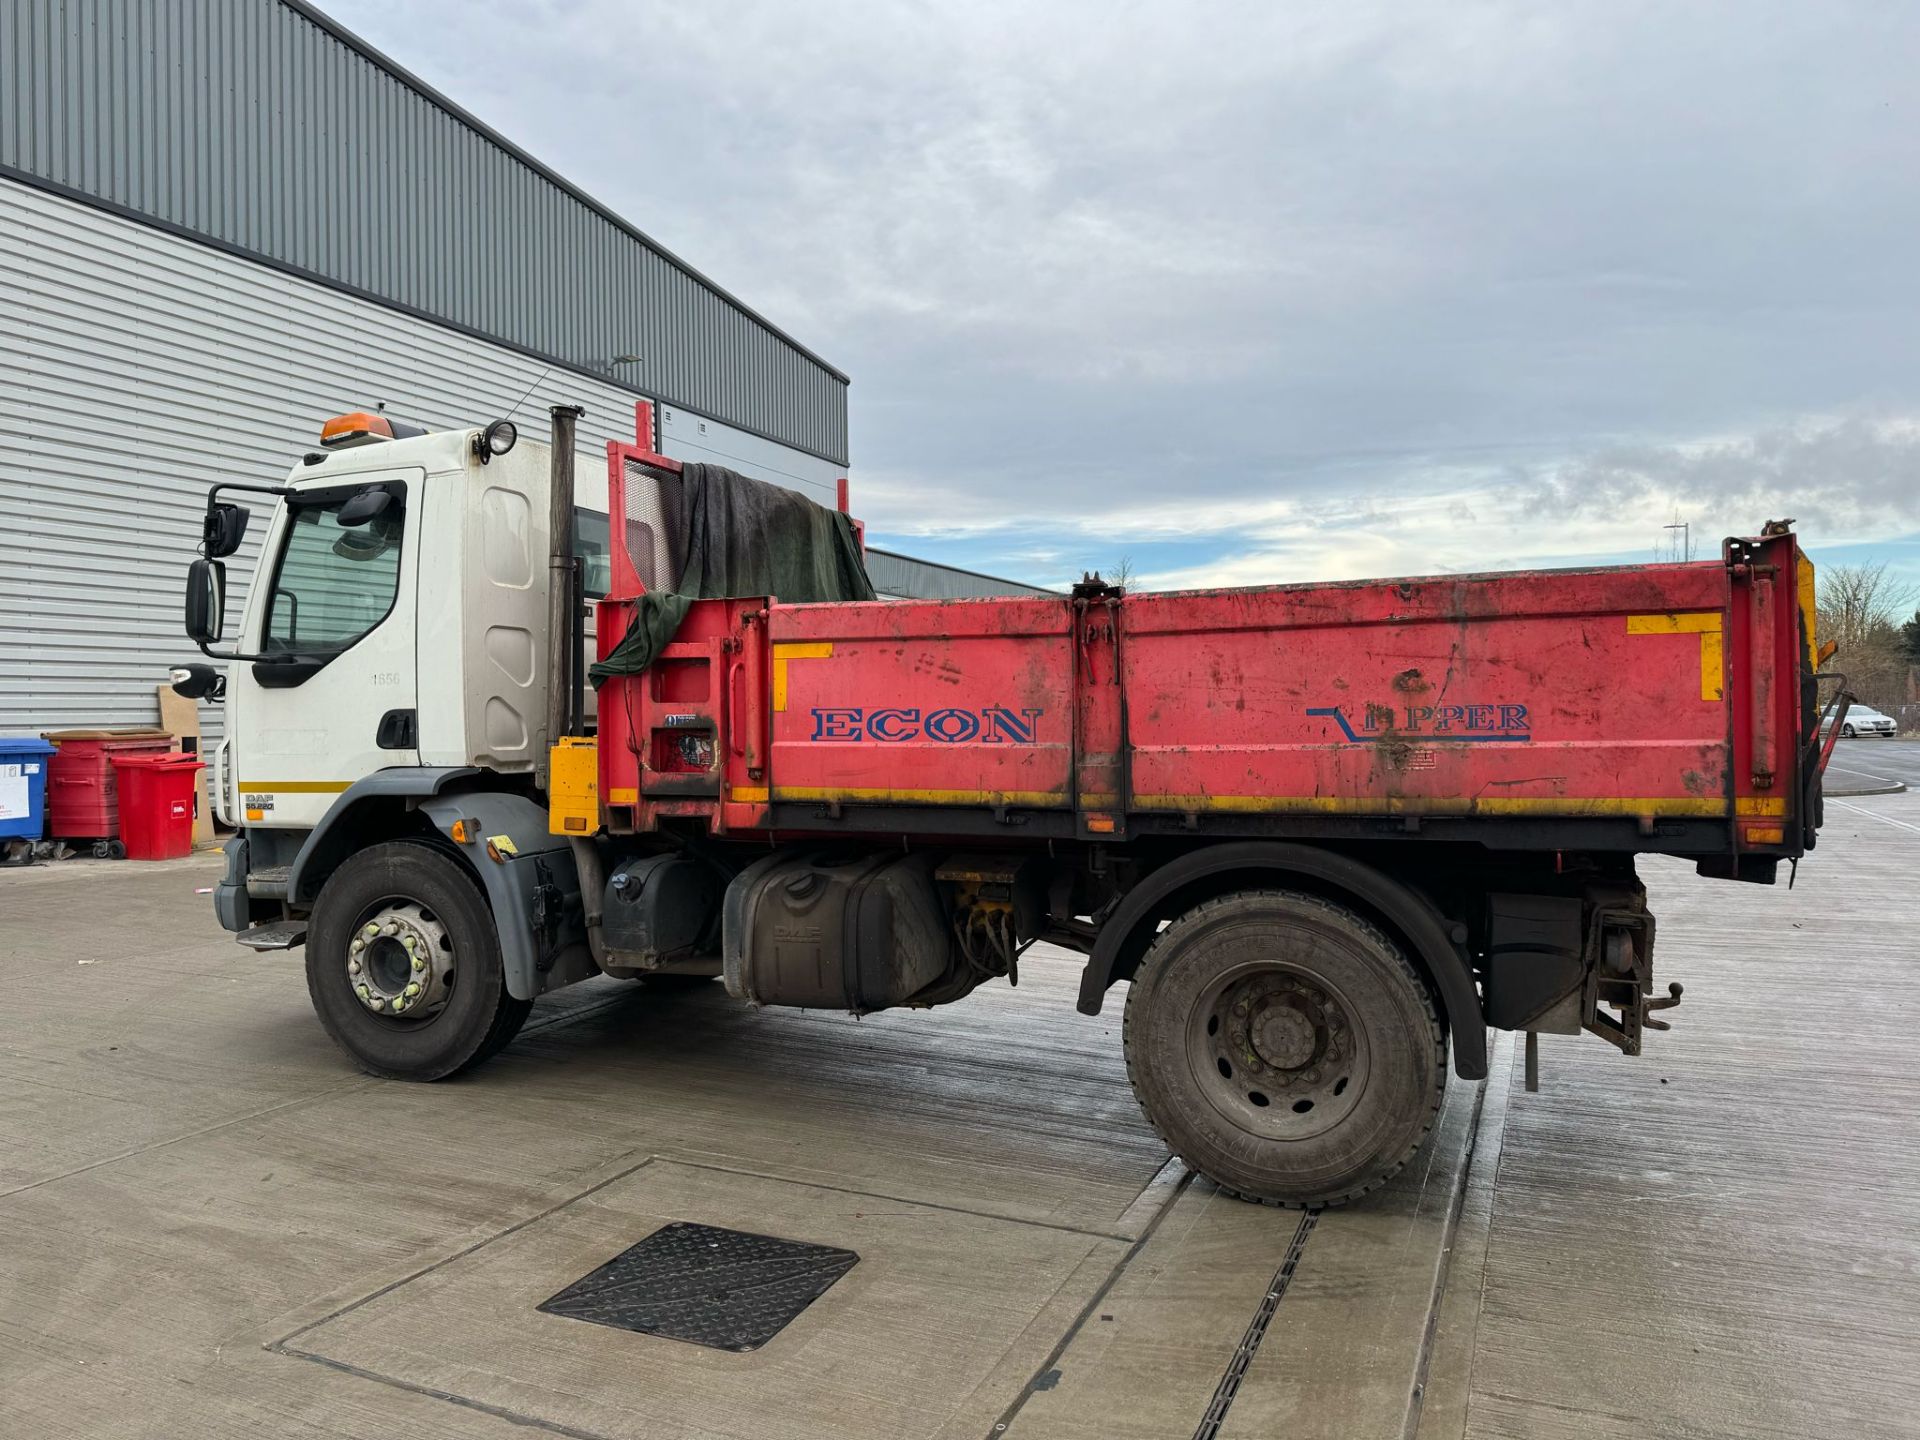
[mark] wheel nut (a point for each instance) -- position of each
(357, 946)
(1312, 1077)
(353, 967)
(418, 963)
(1239, 1007)
(413, 990)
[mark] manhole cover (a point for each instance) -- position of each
(721, 1288)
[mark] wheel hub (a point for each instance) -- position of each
(1285, 1037)
(400, 961)
(1277, 1053)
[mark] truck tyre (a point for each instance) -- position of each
(403, 964)
(1284, 1048)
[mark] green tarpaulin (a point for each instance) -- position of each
(743, 537)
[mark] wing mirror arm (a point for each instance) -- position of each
(222, 530)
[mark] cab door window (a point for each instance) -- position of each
(334, 582)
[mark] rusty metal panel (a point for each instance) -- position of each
(1579, 694)
(1650, 694)
(957, 702)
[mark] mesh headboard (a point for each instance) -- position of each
(655, 536)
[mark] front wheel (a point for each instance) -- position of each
(1285, 1048)
(404, 967)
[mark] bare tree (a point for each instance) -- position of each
(1859, 608)
(1122, 573)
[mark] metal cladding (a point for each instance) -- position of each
(265, 128)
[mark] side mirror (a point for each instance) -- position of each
(364, 506)
(206, 601)
(224, 528)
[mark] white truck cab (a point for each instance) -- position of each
(397, 618)
(388, 703)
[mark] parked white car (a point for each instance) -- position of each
(1863, 720)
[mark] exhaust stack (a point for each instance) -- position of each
(563, 656)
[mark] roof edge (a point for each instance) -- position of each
(413, 82)
(1038, 590)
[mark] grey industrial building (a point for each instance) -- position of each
(222, 221)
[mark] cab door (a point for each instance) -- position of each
(332, 616)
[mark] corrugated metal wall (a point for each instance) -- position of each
(138, 368)
(260, 125)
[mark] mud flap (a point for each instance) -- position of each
(531, 884)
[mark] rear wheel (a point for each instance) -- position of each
(1285, 1048)
(1846, 732)
(403, 965)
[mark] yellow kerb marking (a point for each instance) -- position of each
(794, 650)
(1707, 625)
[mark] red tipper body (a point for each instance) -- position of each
(1654, 707)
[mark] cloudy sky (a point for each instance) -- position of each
(1252, 292)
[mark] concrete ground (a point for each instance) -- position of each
(211, 1226)
(1877, 764)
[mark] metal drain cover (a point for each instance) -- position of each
(721, 1288)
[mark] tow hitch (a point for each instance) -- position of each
(1620, 996)
(1619, 1004)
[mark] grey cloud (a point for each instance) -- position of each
(1080, 257)
(1850, 477)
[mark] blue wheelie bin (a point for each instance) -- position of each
(23, 787)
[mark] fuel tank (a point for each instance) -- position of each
(857, 932)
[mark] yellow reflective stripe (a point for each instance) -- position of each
(794, 650)
(296, 787)
(920, 797)
(1683, 623)
(1808, 609)
(1708, 626)
(1589, 807)
(1598, 806)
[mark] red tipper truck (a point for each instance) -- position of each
(1327, 832)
